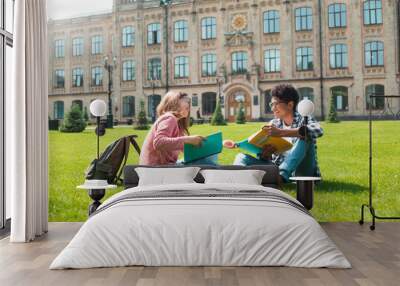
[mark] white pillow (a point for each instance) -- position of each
(249, 177)
(166, 176)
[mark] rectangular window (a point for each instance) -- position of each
(338, 56)
(128, 37)
(271, 22)
(59, 79)
(304, 59)
(373, 12)
(272, 60)
(58, 108)
(374, 54)
(59, 49)
(337, 15)
(154, 69)
(208, 65)
(128, 106)
(77, 47)
(303, 16)
(128, 70)
(97, 76)
(153, 34)
(239, 62)
(181, 67)
(208, 28)
(77, 77)
(97, 45)
(181, 31)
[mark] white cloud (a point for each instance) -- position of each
(61, 9)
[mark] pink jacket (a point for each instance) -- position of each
(163, 143)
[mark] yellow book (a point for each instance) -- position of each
(261, 138)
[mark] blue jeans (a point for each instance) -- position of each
(210, 160)
(300, 160)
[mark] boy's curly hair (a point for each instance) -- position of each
(286, 93)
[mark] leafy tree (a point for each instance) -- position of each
(332, 116)
(73, 121)
(141, 122)
(217, 117)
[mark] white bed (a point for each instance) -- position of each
(200, 231)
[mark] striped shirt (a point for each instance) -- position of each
(314, 131)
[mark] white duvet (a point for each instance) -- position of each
(200, 231)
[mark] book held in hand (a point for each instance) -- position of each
(210, 146)
(256, 143)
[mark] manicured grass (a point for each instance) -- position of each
(342, 153)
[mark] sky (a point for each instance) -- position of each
(61, 9)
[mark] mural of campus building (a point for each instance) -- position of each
(229, 50)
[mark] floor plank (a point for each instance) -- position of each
(375, 257)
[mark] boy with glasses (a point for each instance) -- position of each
(301, 159)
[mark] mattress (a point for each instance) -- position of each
(201, 225)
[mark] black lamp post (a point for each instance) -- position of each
(166, 4)
(110, 68)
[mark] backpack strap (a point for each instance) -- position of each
(134, 143)
(126, 153)
(127, 145)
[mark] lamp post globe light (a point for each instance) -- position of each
(98, 109)
(110, 68)
(306, 109)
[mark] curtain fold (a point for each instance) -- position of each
(26, 121)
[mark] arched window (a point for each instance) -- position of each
(375, 102)
(272, 60)
(128, 106)
(306, 92)
(153, 101)
(341, 99)
(338, 56)
(154, 69)
(78, 102)
(208, 102)
(267, 100)
(208, 65)
(154, 33)
(58, 110)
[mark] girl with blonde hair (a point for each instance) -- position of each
(170, 132)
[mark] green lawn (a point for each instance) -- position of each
(342, 153)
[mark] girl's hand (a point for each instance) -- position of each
(229, 144)
(195, 140)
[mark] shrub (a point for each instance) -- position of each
(218, 118)
(332, 116)
(241, 117)
(73, 121)
(141, 122)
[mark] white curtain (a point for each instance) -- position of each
(26, 124)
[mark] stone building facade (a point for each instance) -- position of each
(233, 50)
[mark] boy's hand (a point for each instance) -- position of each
(272, 130)
(267, 152)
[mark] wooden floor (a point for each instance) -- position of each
(375, 257)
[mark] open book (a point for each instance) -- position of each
(256, 142)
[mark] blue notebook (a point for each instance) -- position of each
(211, 146)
